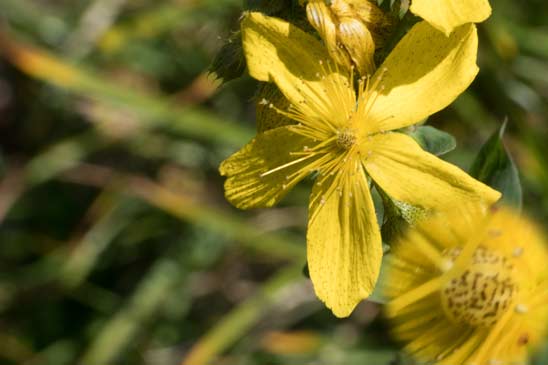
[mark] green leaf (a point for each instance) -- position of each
(433, 140)
(378, 293)
(540, 355)
(495, 167)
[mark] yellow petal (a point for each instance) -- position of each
(344, 243)
(247, 186)
(422, 75)
(357, 39)
(446, 15)
(296, 61)
(321, 18)
(407, 173)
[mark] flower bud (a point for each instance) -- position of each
(350, 29)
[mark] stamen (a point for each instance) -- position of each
(517, 252)
(308, 125)
(369, 91)
(338, 93)
(297, 175)
(285, 166)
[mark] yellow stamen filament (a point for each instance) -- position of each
(481, 357)
(416, 294)
(286, 165)
(430, 251)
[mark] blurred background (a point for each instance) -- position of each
(116, 244)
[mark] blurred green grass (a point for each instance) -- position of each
(116, 244)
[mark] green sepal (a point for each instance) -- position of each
(229, 63)
(269, 7)
(494, 166)
(306, 272)
(397, 8)
(433, 140)
(397, 217)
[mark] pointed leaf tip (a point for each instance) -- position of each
(495, 167)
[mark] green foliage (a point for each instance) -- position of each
(433, 140)
(116, 243)
(541, 354)
(495, 167)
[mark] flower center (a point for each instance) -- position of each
(346, 138)
(482, 293)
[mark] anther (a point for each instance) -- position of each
(446, 265)
(486, 282)
(517, 252)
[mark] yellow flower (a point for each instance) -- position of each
(446, 15)
(350, 140)
(469, 288)
(350, 29)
